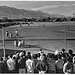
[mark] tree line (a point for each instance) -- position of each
(9, 22)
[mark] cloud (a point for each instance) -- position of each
(46, 7)
(68, 5)
(53, 6)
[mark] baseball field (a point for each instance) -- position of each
(47, 35)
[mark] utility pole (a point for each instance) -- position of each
(3, 41)
(73, 15)
(67, 27)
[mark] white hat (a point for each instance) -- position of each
(56, 52)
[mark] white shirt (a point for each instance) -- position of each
(16, 32)
(11, 64)
(74, 68)
(30, 66)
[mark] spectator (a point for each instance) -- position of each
(2, 68)
(22, 65)
(74, 63)
(70, 53)
(5, 68)
(59, 65)
(34, 58)
(51, 63)
(63, 50)
(11, 64)
(30, 65)
(42, 65)
(68, 67)
(16, 63)
(38, 56)
(41, 52)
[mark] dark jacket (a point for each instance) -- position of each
(2, 67)
(41, 66)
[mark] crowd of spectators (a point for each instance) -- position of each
(40, 63)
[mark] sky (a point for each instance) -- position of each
(35, 5)
(45, 6)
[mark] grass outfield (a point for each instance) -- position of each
(50, 31)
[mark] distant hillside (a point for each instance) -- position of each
(11, 12)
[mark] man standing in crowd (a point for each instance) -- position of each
(22, 65)
(42, 65)
(51, 63)
(2, 68)
(68, 67)
(70, 53)
(59, 65)
(11, 64)
(30, 65)
(74, 63)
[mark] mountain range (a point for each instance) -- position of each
(12, 12)
(66, 8)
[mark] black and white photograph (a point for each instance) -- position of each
(37, 37)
